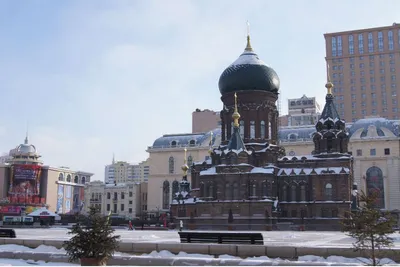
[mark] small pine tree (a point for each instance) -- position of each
(370, 227)
(93, 238)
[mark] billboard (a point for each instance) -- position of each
(68, 193)
(60, 199)
(25, 182)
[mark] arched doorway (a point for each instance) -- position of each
(375, 185)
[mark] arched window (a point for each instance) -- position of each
(83, 180)
(370, 43)
(328, 191)
(390, 39)
(69, 178)
(252, 129)
(228, 191)
(302, 192)
(254, 190)
(171, 165)
(242, 129)
(76, 179)
(262, 129)
(173, 144)
(235, 191)
(269, 130)
(334, 53)
(108, 195)
(211, 190)
(264, 189)
(293, 193)
(175, 188)
(166, 195)
(190, 162)
(61, 177)
(202, 189)
(93, 197)
(351, 44)
(192, 143)
(360, 44)
(375, 186)
(284, 193)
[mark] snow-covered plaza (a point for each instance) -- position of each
(273, 238)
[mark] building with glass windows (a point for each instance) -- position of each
(364, 66)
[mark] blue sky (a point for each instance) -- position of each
(95, 77)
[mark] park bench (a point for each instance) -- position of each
(7, 233)
(222, 238)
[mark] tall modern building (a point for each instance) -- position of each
(122, 172)
(364, 66)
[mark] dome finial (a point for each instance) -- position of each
(328, 85)
(185, 167)
(236, 115)
(27, 133)
(248, 46)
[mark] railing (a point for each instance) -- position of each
(178, 146)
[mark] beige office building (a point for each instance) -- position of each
(364, 66)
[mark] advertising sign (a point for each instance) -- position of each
(68, 193)
(10, 209)
(25, 182)
(60, 199)
(76, 200)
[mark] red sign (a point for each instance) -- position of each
(10, 209)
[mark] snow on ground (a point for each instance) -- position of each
(273, 238)
(14, 262)
(168, 254)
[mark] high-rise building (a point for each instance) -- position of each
(303, 111)
(205, 120)
(364, 66)
(122, 172)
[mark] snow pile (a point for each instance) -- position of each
(340, 259)
(14, 262)
(39, 249)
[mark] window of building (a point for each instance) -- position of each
(130, 210)
(394, 109)
(390, 38)
(108, 195)
(363, 112)
(372, 152)
(382, 63)
(351, 44)
(122, 207)
(394, 101)
(360, 44)
(171, 165)
(387, 151)
(363, 96)
(339, 46)
(353, 96)
(166, 194)
(361, 65)
(362, 87)
(130, 202)
(115, 208)
(384, 110)
(353, 104)
(108, 207)
(370, 43)
(393, 85)
(130, 193)
(115, 196)
(393, 78)
(241, 129)
(371, 57)
(328, 191)
(334, 52)
(352, 66)
(394, 93)
(122, 195)
(374, 112)
(262, 129)
(373, 87)
(392, 70)
(353, 88)
(359, 152)
(372, 72)
(252, 129)
(294, 213)
(352, 73)
(380, 41)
